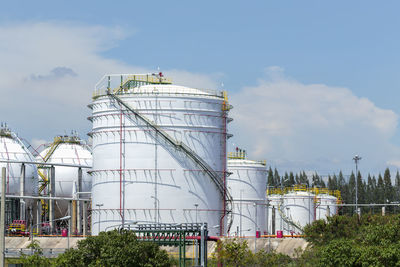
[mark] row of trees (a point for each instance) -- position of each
(374, 189)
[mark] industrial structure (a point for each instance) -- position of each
(290, 209)
(157, 165)
(247, 184)
(21, 178)
(159, 154)
(69, 182)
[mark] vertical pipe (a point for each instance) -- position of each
(38, 216)
(79, 204)
(51, 201)
(84, 224)
(21, 193)
(273, 220)
(2, 216)
(74, 216)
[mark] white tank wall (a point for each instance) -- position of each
(65, 177)
(299, 207)
(274, 203)
(324, 201)
(247, 185)
(12, 149)
(190, 116)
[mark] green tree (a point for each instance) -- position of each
(232, 253)
(114, 248)
(36, 259)
(380, 190)
(270, 180)
(291, 179)
(277, 178)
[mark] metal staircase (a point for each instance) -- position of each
(287, 219)
(216, 178)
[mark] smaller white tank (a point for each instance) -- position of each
(297, 211)
(69, 150)
(325, 203)
(247, 184)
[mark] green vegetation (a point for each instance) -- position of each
(371, 240)
(107, 249)
(237, 253)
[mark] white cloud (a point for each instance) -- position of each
(48, 72)
(311, 126)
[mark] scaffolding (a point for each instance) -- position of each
(178, 235)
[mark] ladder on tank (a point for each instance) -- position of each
(45, 181)
(287, 219)
(187, 151)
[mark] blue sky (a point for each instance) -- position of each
(337, 61)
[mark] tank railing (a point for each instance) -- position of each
(217, 179)
(121, 84)
(286, 218)
(303, 188)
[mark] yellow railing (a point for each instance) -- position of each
(237, 155)
(304, 188)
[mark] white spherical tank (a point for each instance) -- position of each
(247, 184)
(140, 172)
(297, 211)
(274, 203)
(326, 206)
(67, 150)
(11, 148)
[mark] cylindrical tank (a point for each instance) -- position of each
(139, 176)
(247, 184)
(11, 148)
(297, 210)
(69, 150)
(274, 203)
(325, 203)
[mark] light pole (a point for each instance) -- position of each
(98, 207)
(356, 160)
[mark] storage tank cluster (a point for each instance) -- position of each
(291, 209)
(158, 155)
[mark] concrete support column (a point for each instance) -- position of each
(51, 201)
(2, 216)
(79, 204)
(84, 216)
(38, 217)
(22, 206)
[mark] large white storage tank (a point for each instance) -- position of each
(68, 150)
(143, 175)
(11, 148)
(274, 203)
(247, 184)
(297, 211)
(326, 205)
